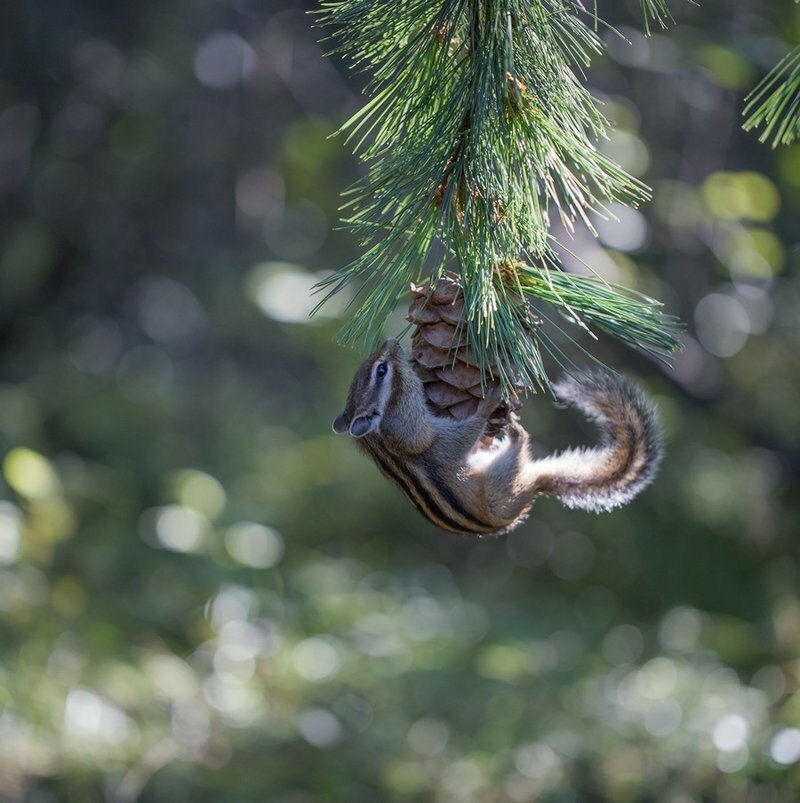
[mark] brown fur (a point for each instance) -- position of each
(454, 481)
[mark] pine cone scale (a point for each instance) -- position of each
(460, 375)
(440, 353)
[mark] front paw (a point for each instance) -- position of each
(490, 403)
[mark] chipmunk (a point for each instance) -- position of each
(464, 487)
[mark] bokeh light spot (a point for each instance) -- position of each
(623, 645)
(785, 746)
(428, 737)
(200, 491)
(535, 760)
(259, 192)
(223, 60)
(663, 718)
(87, 715)
(625, 229)
(178, 528)
(319, 727)
(316, 659)
(145, 374)
(722, 324)
(657, 678)
(730, 733)
(297, 230)
(680, 629)
(254, 545)
(168, 310)
(627, 150)
(284, 292)
(96, 342)
(30, 474)
(11, 520)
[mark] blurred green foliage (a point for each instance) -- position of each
(207, 596)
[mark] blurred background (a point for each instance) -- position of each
(205, 595)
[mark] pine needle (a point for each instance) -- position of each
(655, 11)
(775, 103)
(477, 130)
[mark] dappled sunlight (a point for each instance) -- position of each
(206, 595)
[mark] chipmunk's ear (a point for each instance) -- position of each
(340, 424)
(363, 424)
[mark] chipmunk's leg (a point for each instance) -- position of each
(461, 437)
(505, 492)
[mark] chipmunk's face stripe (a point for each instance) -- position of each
(368, 397)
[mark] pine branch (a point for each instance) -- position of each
(775, 103)
(631, 317)
(476, 131)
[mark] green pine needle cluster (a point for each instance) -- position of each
(477, 130)
(655, 11)
(775, 103)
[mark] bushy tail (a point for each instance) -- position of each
(626, 459)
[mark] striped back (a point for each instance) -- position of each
(427, 490)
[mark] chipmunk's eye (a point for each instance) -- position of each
(381, 370)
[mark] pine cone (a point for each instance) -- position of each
(443, 359)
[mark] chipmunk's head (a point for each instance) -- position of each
(375, 388)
